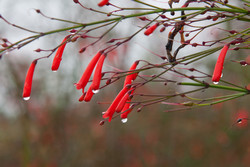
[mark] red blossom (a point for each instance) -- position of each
(151, 29)
(131, 77)
(111, 110)
(219, 64)
(98, 73)
(103, 2)
(28, 81)
(82, 97)
(89, 95)
(58, 56)
(122, 102)
(87, 73)
(125, 111)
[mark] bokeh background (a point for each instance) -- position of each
(53, 129)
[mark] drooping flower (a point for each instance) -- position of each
(125, 111)
(87, 73)
(151, 29)
(103, 2)
(89, 95)
(122, 102)
(58, 56)
(98, 73)
(131, 77)
(219, 64)
(28, 81)
(111, 110)
(82, 97)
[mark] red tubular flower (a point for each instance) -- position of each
(122, 102)
(87, 73)
(219, 64)
(98, 73)
(151, 29)
(28, 81)
(111, 110)
(103, 2)
(82, 97)
(58, 56)
(131, 77)
(89, 95)
(126, 110)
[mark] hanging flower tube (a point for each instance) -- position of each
(28, 81)
(219, 65)
(58, 56)
(88, 71)
(98, 74)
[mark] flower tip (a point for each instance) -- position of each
(78, 86)
(54, 70)
(103, 3)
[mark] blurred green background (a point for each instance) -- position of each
(53, 129)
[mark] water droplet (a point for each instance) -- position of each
(26, 98)
(237, 43)
(215, 83)
(124, 120)
(95, 91)
(103, 113)
(54, 70)
(221, 75)
(244, 65)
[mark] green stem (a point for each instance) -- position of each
(215, 86)
(221, 101)
(214, 98)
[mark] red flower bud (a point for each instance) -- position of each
(126, 110)
(87, 73)
(58, 56)
(28, 81)
(82, 97)
(151, 29)
(89, 95)
(129, 78)
(219, 64)
(111, 110)
(122, 102)
(103, 2)
(98, 74)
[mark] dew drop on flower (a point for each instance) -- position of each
(26, 98)
(221, 75)
(54, 70)
(124, 120)
(95, 91)
(244, 65)
(215, 83)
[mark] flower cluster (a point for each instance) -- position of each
(151, 21)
